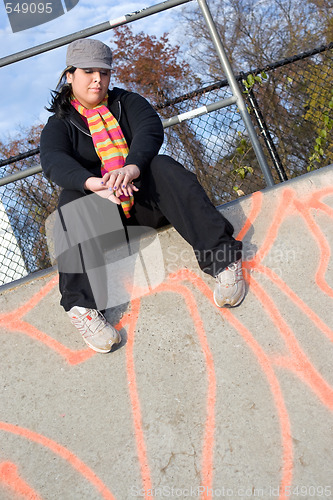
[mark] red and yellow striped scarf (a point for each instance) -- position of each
(109, 141)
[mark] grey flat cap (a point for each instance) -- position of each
(88, 53)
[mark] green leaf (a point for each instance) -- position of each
(250, 80)
(263, 74)
(319, 141)
(326, 119)
(323, 133)
(241, 172)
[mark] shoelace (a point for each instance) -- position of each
(94, 325)
(230, 275)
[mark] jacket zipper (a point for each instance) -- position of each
(80, 129)
(119, 106)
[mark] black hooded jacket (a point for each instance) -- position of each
(67, 152)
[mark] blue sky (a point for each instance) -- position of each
(25, 85)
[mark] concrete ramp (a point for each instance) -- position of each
(196, 402)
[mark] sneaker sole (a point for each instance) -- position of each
(97, 349)
(229, 305)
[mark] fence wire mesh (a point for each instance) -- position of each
(207, 145)
(294, 101)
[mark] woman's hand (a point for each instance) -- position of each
(95, 185)
(120, 180)
(114, 184)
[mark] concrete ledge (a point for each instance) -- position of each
(196, 401)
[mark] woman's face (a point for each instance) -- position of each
(89, 86)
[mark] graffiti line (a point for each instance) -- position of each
(10, 477)
(132, 318)
(265, 364)
(299, 360)
(256, 199)
(324, 248)
(208, 442)
(61, 451)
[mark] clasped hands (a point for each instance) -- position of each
(115, 183)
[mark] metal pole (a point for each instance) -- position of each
(21, 156)
(267, 137)
(236, 92)
(169, 122)
(22, 174)
(93, 30)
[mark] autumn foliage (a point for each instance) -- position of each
(150, 66)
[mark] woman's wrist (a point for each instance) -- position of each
(90, 183)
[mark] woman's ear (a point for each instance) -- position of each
(69, 77)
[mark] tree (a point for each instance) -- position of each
(150, 66)
(296, 104)
(257, 33)
(235, 170)
(319, 112)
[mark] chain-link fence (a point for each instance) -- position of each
(291, 104)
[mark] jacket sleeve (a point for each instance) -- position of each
(57, 160)
(146, 130)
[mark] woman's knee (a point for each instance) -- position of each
(167, 169)
(163, 160)
(165, 166)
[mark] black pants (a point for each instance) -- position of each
(168, 194)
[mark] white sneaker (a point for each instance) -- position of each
(230, 287)
(97, 333)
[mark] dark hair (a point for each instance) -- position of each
(61, 97)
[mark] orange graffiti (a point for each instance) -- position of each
(293, 359)
(13, 322)
(132, 319)
(10, 477)
(65, 454)
(267, 369)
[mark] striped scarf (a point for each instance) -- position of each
(109, 142)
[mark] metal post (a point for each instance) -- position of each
(236, 92)
(22, 174)
(267, 137)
